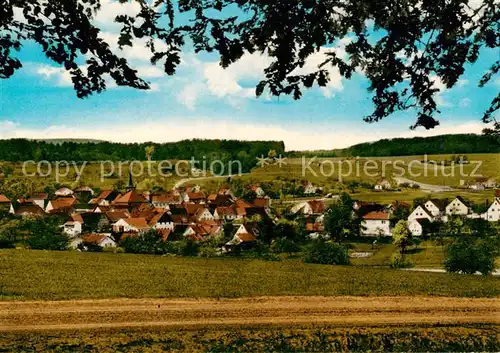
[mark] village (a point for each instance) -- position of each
(106, 219)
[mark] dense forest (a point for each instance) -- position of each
(444, 144)
(16, 150)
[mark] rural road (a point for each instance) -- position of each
(424, 187)
(282, 311)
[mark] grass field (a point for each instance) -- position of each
(103, 176)
(427, 255)
(66, 275)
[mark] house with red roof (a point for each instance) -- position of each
(131, 199)
(376, 224)
(131, 225)
(63, 205)
(5, 204)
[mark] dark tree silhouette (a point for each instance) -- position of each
(411, 43)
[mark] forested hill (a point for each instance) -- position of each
(225, 150)
(443, 144)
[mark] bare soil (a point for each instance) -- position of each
(282, 311)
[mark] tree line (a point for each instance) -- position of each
(17, 150)
(444, 144)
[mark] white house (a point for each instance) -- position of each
(376, 223)
(415, 227)
(126, 225)
(309, 207)
(457, 207)
(309, 188)
(432, 208)
(72, 228)
(162, 221)
(491, 183)
(383, 185)
(225, 212)
(203, 214)
(493, 213)
(102, 240)
(477, 186)
(419, 213)
(64, 192)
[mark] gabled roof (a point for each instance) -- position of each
(77, 217)
(163, 217)
(240, 203)
(252, 228)
(425, 210)
(139, 223)
(62, 204)
(196, 195)
(462, 200)
(29, 209)
(246, 237)
(377, 216)
(115, 216)
(317, 206)
(261, 202)
(193, 208)
(201, 211)
(131, 197)
(96, 239)
(4, 199)
(226, 211)
(165, 198)
(64, 190)
(84, 189)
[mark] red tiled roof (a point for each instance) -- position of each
(315, 227)
(115, 216)
(240, 203)
(377, 216)
(61, 204)
(76, 217)
(140, 223)
(29, 209)
(4, 199)
(246, 237)
(226, 211)
(94, 238)
(193, 208)
(131, 197)
(261, 202)
(196, 195)
(317, 206)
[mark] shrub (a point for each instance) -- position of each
(189, 247)
(284, 245)
(398, 260)
(327, 253)
(470, 255)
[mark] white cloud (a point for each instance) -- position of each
(462, 83)
(464, 103)
(59, 75)
(438, 97)
(295, 137)
(112, 8)
(189, 95)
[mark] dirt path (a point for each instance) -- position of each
(285, 311)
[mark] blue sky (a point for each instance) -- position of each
(205, 101)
